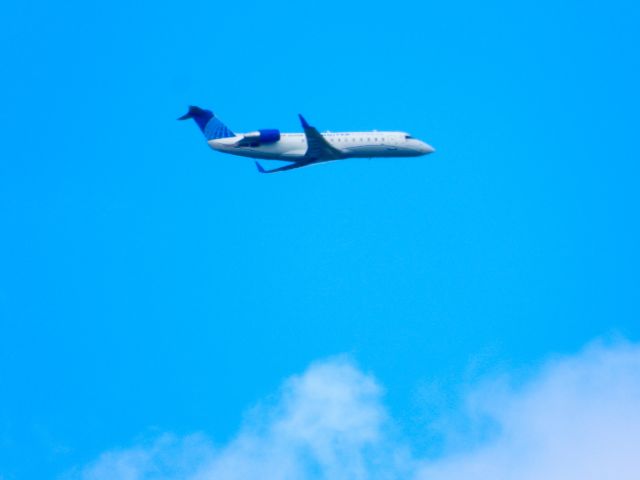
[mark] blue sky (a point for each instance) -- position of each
(150, 285)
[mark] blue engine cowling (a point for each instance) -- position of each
(269, 135)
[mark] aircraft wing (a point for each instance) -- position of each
(317, 146)
(291, 166)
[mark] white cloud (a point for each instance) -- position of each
(327, 423)
(167, 457)
(578, 418)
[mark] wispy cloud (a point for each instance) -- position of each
(326, 423)
(578, 418)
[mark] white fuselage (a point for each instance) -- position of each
(293, 146)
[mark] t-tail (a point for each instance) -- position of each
(211, 127)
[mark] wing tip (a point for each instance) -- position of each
(260, 169)
(304, 123)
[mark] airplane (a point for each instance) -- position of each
(304, 149)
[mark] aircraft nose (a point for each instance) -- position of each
(426, 148)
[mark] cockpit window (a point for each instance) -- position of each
(408, 137)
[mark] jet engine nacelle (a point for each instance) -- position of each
(267, 135)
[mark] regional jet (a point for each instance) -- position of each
(304, 149)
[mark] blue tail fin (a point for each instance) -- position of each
(208, 123)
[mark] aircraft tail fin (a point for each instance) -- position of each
(211, 126)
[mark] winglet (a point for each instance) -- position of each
(304, 123)
(260, 169)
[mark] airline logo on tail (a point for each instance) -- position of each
(208, 123)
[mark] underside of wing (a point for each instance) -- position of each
(291, 166)
(318, 149)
